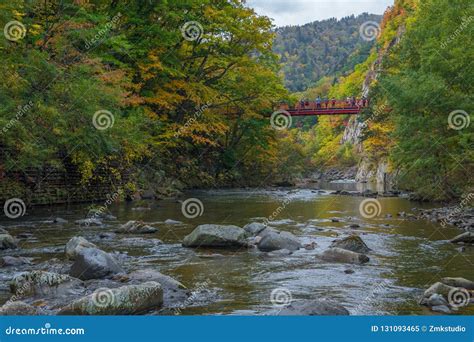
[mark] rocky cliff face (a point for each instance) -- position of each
(370, 170)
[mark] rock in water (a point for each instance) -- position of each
(438, 288)
(254, 228)
(213, 235)
(18, 308)
(75, 245)
(466, 237)
(125, 300)
(171, 222)
(14, 261)
(89, 222)
(279, 240)
(93, 263)
(174, 293)
(151, 275)
(43, 283)
(314, 307)
(7, 242)
(136, 227)
(351, 243)
(458, 282)
(343, 255)
(434, 300)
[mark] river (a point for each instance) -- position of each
(408, 255)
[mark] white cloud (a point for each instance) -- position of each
(298, 12)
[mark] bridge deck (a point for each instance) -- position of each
(324, 111)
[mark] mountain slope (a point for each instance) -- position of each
(321, 48)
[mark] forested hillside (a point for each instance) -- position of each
(111, 88)
(321, 48)
(419, 123)
(176, 95)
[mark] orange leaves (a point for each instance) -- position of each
(379, 142)
(112, 76)
(203, 133)
(152, 66)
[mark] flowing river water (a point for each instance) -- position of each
(408, 255)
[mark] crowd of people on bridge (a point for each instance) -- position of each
(325, 103)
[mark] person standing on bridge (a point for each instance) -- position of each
(318, 102)
(326, 102)
(333, 102)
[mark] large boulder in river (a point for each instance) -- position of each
(174, 293)
(93, 263)
(151, 275)
(214, 235)
(279, 240)
(75, 245)
(352, 243)
(343, 255)
(458, 282)
(467, 237)
(136, 227)
(18, 308)
(254, 228)
(7, 242)
(314, 307)
(125, 300)
(41, 283)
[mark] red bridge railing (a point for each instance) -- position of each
(330, 108)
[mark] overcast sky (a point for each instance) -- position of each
(297, 12)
